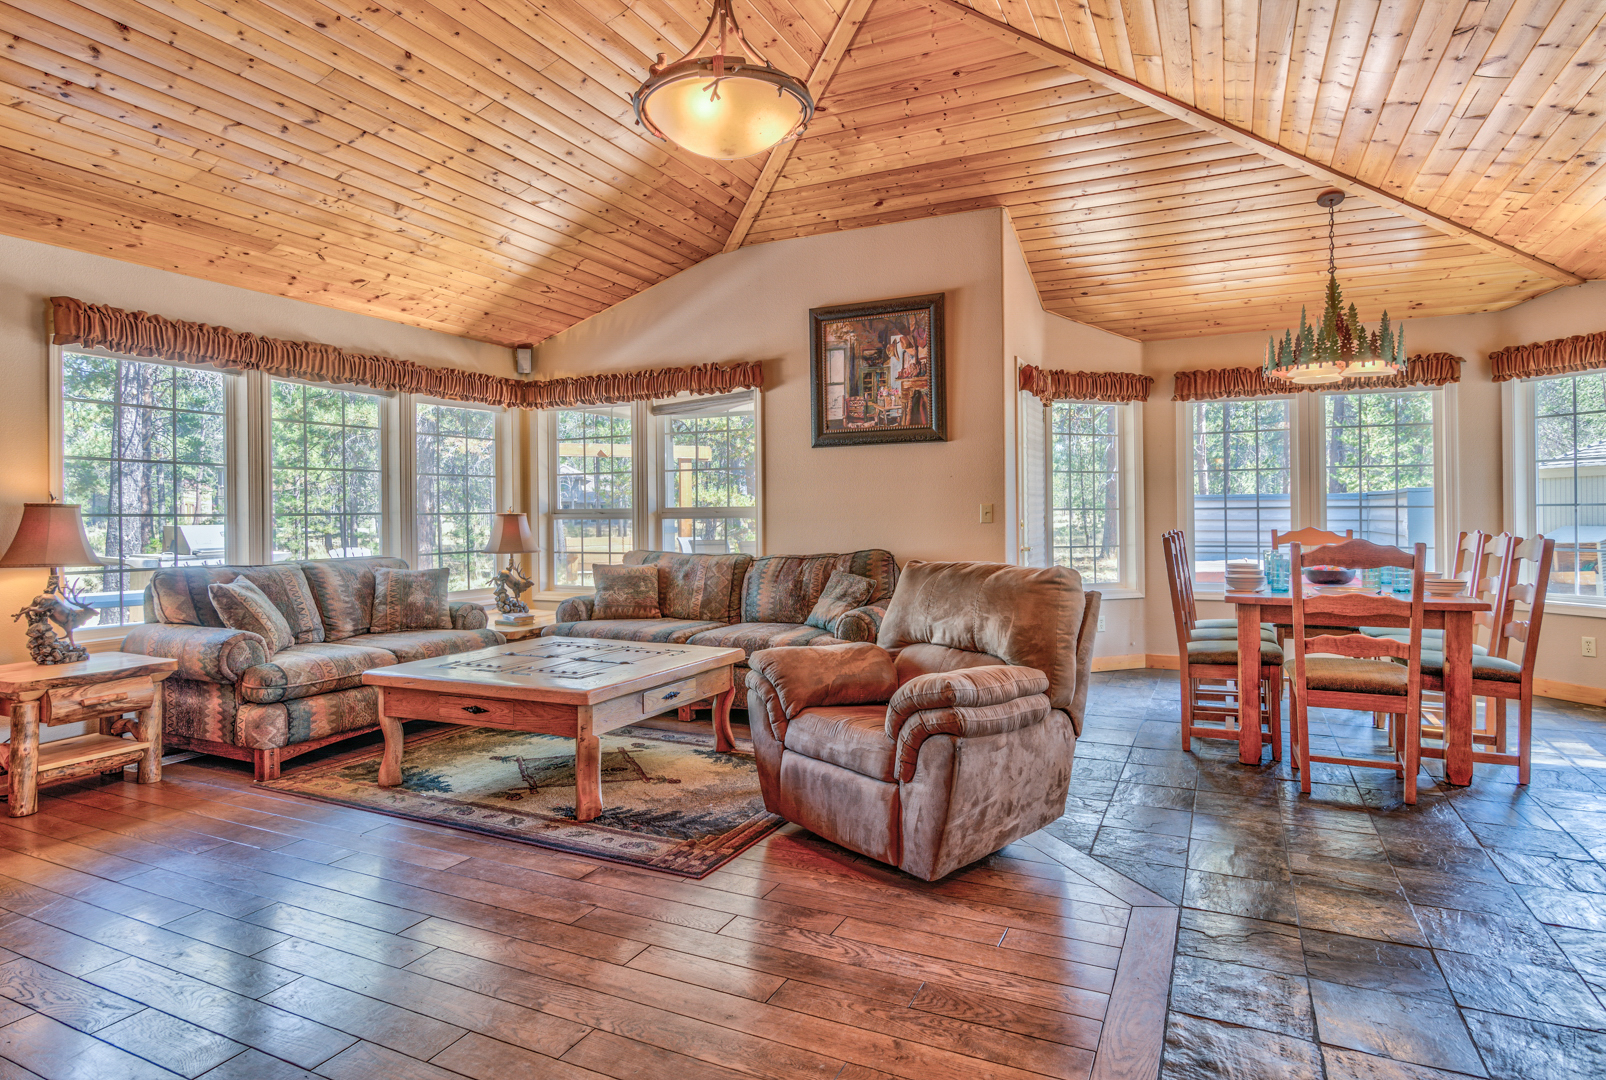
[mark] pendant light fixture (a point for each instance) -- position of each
(1340, 348)
(727, 103)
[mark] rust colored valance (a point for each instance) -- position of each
(1053, 386)
(136, 333)
(1583, 352)
(1430, 369)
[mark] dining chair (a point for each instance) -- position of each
(1310, 537)
(1496, 677)
(1356, 670)
(1208, 665)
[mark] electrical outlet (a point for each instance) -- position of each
(1102, 627)
(1589, 646)
(986, 513)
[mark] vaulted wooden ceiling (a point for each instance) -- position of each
(473, 166)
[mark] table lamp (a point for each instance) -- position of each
(510, 535)
(51, 534)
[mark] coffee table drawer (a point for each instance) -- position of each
(69, 704)
(672, 696)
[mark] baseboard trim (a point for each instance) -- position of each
(1584, 695)
(1120, 663)
(1163, 661)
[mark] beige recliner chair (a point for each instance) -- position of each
(948, 738)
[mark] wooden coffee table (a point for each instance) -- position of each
(579, 688)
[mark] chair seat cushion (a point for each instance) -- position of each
(408, 645)
(668, 631)
(852, 736)
(1347, 675)
(1226, 652)
(1432, 640)
(753, 636)
(308, 670)
(1492, 668)
(1230, 624)
(1223, 633)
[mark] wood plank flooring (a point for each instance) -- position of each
(206, 928)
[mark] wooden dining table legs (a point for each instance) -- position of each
(1249, 704)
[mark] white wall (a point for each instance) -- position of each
(31, 272)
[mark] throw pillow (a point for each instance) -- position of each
(287, 587)
(411, 600)
(843, 592)
(243, 606)
(625, 592)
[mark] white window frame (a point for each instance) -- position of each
(647, 512)
(657, 426)
(1517, 405)
(1308, 466)
(1129, 471)
(249, 465)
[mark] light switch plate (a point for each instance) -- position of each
(986, 513)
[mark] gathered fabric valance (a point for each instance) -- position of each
(1429, 369)
(137, 333)
(1558, 356)
(1053, 386)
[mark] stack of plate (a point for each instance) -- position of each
(1244, 577)
(1445, 587)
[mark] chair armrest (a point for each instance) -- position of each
(204, 653)
(860, 624)
(805, 676)
(467, 615)
(576, 609)
(968, 703)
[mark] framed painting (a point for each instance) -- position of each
(878, 372)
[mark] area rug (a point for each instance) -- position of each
(671, 801)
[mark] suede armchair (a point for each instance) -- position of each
(948, 738)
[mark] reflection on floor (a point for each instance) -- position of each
(1345, 934)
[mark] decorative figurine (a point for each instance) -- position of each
(510, 584)
(58, 604)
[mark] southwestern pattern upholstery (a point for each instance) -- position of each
(843, 592)
(232, 696)
(411, 600)
(949, 737)
(741, 602)
(626, 592)
(243, 606)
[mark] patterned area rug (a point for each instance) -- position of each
(670, 801)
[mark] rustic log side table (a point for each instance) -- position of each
(98, 691)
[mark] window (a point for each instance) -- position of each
(1242, 480)
(1568, 417)
(328, 489)
(455, 491)
(145, 452)
(1378, 452)
(593, 507)
(710, 475)
(1085, 492)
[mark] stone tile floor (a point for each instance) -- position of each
(1345, 934)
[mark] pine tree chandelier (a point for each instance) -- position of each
(723, 104)
(1340, 348)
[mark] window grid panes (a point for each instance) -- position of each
(455, 456)
(1569, 424)
(1378, 454)
(1085, 490)
(710, 483)
(145, 451)
(1242, 472)
(594, 505)
(327, 484)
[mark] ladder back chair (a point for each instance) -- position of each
(1309, 537)
(1209, 665)
(1356, 670)
(1497, 678)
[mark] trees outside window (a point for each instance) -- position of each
(327, 479)
(455, 491)
(1378, 451)
(593, 508)
(1568, 478)
(1085, 489)
(710, 476)
(1242, 480)
(145, 452)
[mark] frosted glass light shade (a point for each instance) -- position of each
(1375, 368)
(1316, 374)
(732, 117)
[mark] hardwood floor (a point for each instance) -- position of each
(203, 927)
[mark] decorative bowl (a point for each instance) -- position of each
(1329, 575)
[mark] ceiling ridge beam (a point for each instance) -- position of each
(836, 48)
(1272, 151)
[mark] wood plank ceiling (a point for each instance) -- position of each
(473, 166)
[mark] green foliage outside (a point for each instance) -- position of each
(456, 491)
(1085, 489)
(327, 485)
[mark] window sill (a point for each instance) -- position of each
(1115, 592)
(1586, 611)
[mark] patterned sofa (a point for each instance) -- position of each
(739, 602)
(230, 697)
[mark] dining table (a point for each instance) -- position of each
(1454, 615)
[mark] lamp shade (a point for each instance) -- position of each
(736, 116)
(50, 534)
(510, 533)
